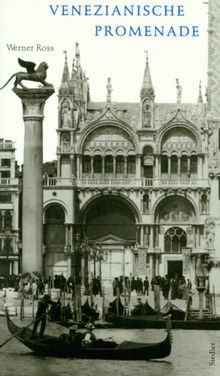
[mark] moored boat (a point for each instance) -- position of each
(158, 322)
(100, 349)
(148, 318)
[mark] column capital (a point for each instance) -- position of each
(33, 101)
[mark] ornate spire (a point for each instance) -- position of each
(179, 90)
(147, 87)
(200, 99)
(109, 90)
(66, 76)
(73, 69)
(77, 55)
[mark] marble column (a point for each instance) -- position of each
(169, 167)
(33, 101)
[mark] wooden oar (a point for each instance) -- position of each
(20, 330)
(14, 335)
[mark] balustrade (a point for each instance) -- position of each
(124, 182)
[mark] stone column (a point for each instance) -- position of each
(58, 166)
(138, 167)
(126, 166)
(188, 165)
(92, 165)
(103, 165)
(179, 167)
(114, 165)
(33, 101)
(156, 169)
(169, 167)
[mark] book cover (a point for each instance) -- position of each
(109, 186)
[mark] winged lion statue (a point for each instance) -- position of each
(32, 74)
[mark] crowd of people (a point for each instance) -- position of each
(140, 286)
(175, 288)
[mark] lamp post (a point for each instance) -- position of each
(19, 248)
(200, 286)
(96, 254)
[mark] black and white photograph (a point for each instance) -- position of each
(109, 187)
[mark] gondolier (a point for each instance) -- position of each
(41, 315)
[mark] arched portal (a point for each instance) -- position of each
(110, 215)
(54, 240)
(110, 223)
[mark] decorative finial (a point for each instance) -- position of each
(200, 99)
(146, 52)
(179, 91)
(77, 54)
(109, 90)
(65, 53)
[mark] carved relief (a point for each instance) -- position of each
(175, 209)
(109, 138)
(187, 113)
(210, 233)
(179, 139)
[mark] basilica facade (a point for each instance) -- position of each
(137, 189)
(135, 182)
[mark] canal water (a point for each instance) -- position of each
(192, 353)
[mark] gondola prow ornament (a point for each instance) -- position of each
(32, 74)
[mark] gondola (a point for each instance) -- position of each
(158, 322)
(153, 320)
(52, 346)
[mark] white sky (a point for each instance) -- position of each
(28, 22)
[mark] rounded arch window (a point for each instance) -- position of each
(175, 239)
(183, 164)
(164, 164)
(86, 164)
(120, 164)
(174, 164)
(97, 164)
(193, 164)
(131, 161)
(109, 164)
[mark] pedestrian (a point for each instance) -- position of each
(34, 290)
(41, 315)
(165, 286)
(146, 286)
